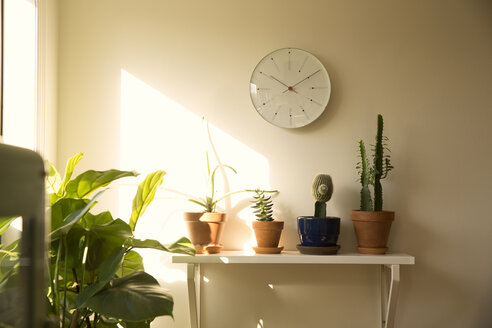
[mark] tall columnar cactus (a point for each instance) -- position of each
(365, 175)
(373, 175)
(322, 189)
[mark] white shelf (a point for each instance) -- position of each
(386, 261)
(293, 257)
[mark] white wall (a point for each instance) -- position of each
(425, 65)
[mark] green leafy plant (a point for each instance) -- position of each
(209, 202)
(262, 205)
(373, 174)
(322, 189)
(96, 278)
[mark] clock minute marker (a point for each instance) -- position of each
(274, 63)
(304, 112)
(289, 60)
(303, 63)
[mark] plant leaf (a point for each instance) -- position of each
(62, 208)
(68, 172)
(182, 246)
(53, 178)
(73, 218)
(131, 262)
(145, 195)
(87, 182)
(135, 297)
(5, 223)
(103, 239)
(107, 271)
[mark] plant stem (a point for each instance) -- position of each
(52, 282)
(88, 321)
(57, 266)
(64, 282)
(75, 318)
(83, 263)
(77, 286)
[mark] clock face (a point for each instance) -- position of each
(290, 88)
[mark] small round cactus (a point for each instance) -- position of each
(322, 189)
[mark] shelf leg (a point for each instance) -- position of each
(193, 276)
(389, 300)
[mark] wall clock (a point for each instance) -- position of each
(290, 88)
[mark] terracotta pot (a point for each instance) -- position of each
(267, 235)
(372, 230)
(205, 230)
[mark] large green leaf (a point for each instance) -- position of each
(63, 208)
(182, 246)
(68, 173)
(103, 239)
(73, 218)
(87, 182)
(106, 272)
(5, 223)
(145, 195)
(90, 220)
(131, 262)
(135, 297)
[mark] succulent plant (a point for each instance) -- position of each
(372, 175)
(322, 189)
(262, 205)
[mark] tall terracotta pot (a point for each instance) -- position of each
(372, 230)
(267, 235)
(205, 230)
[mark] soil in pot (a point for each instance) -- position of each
(372, 230)
(205, 230)
(267, 235)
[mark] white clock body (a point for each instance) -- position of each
(290, 88)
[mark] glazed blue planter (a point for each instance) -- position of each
(318, 232)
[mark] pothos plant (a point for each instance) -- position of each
(96, 278)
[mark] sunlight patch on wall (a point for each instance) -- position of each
(158, 133)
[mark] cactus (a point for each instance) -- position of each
(373, 175)
(366, 173)
(262, 205)
(382, 165)
(322, 189)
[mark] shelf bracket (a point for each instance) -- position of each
(193, 279)
(389, 299)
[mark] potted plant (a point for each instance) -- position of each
(267, 230)
(205, 228)
(372, 224)
(95, 276)
(319, 233)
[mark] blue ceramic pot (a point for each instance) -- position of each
(318, 232)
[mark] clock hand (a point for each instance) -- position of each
(307, 77)
(310, 99)
(274, 78)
